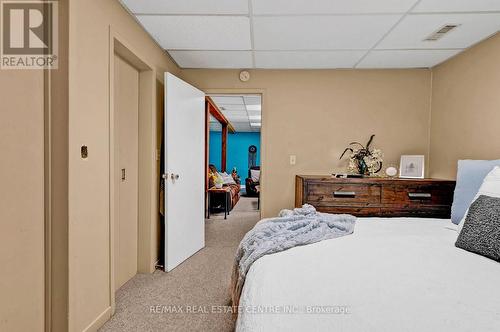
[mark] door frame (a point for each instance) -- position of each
(263, 149)
(147, 186)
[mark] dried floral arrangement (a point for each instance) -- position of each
(363, 159)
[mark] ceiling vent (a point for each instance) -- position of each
(441, 32)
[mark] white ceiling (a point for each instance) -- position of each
(281, 34)
(241, 110)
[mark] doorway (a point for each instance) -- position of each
(234, 148)
(132, 166)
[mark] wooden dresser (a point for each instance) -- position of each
(376, 197)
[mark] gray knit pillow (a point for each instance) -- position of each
(481, 231)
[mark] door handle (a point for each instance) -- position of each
(172, 176)
(344, 194)
(419, 195)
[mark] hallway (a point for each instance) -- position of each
(198, 284)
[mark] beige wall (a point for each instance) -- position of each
(21, 200)
(314, 114)
(89, 236)
(311, 114)
(466, 108)
(26, 96)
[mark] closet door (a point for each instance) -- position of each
(127, 172)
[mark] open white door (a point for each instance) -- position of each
(184, 171)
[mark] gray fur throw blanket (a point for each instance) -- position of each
(291, 228)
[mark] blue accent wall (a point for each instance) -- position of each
(237, 151)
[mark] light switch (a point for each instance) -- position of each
(293, 159)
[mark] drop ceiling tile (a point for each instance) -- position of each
(307, 59)
(252, 100)
(240, 124)
(212, 59)
(231, 108)
(231, 114)
(253, 108)
(320, 32)
(199, 32)
(330, 6)
(238, 118)
(241, 127)
(234, 113)
(228, 100)
(412, 31)
(433, 6)
(187, 7)
(406, 58)
(253, 113)
(235, 110)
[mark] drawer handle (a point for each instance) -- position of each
(419, 195)
(344, 194)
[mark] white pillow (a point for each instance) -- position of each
(255, 175)
(228, 179)
(490, 187)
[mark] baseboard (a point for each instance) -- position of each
(99, 321)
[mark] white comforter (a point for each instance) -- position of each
(401, 274)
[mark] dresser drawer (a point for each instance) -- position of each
(417, 195)
(333, 194)
(355, 211)
(429, 211)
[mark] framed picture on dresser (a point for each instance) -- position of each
(412, 167)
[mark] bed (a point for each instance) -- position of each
(399, 274)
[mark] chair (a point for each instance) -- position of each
(250, 185)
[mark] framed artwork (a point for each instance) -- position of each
(412, 167)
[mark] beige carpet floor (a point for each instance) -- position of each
(199, 283)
